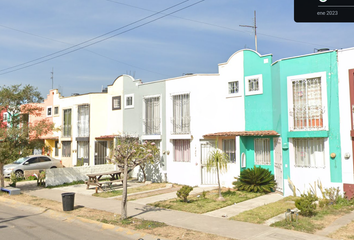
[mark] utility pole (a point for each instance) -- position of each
(254, 27)
(52, 72)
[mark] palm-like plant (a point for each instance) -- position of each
(219, 160)
(255, 180)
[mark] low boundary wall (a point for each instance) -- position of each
(58, 176)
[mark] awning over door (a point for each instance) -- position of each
(242, 133)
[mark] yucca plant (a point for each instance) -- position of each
(255, 180)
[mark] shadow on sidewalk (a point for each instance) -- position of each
(146, 209)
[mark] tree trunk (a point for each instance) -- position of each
(124, 209)
(142, 167)
(2, 178)
(220, 198)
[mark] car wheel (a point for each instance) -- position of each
(19, 174)
(53, 167)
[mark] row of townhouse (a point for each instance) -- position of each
(293, 117)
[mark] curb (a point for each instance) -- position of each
(78, 220)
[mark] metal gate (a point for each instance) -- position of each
(278, 163)
(208, 177)
(100, 152)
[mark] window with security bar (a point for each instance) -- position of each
(152, 116)
(83, 121)
(309, 152)
(233, 87)
(262, 151)
(253, 85)
(66, 129)
(307, 109)
(182, 151)
(228, 146)
(181, 114)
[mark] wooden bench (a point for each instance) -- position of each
(11, 190)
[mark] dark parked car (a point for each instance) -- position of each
(33, 162)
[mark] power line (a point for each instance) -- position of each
(36, 62)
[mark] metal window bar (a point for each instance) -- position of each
(307, 104)
(229, 149)
(83, 121)
(253, 85)
(66, 149)
(152, 116)
(233, 87)
(181, 114)
(67, 123)
(262, 151)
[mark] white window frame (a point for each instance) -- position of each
(225, 147)
(236, 94)
(51, 111)
(181, 130)
(4, 116)
(290, 79)
(259, 77)
(56, 114)
(323, 159)
(125, 101)
(265, 155)
(144, 112)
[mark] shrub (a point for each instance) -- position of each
(255, 180)
(306, 204)
(183, 193)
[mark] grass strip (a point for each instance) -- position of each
(208, 203)
(261, 214)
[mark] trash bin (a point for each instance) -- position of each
(68, 201)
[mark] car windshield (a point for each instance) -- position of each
(20, 160)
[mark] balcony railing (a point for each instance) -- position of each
(308, 117)
(181, 125)
(152, 126)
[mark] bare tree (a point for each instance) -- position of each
(128, 153)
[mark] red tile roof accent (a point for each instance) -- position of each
(107, 137)
(242, 133)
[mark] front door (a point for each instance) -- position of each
(208, 177)
(100, 152)
(351, 88)
(278, 163)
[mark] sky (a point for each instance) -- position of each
(81, 46)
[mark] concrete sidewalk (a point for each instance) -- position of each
(197, 222)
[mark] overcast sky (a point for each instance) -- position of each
(89, 43)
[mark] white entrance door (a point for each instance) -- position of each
(208, 177)
(278, 163)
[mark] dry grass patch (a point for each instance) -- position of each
(344, 233)
(261, 214)
(146, 226)
(208, 203)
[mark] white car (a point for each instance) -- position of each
(33, 162)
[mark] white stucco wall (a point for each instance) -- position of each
(211, 110)
(345, 62)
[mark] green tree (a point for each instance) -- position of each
(19, 137)
(128, 153)
(219, 160)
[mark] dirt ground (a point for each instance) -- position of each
(165, 231)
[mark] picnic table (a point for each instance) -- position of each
(93, 179)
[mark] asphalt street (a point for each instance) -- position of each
(21, 224)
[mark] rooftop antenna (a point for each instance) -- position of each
(255, 29)
(52, 77)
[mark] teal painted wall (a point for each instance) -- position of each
(258, 108)
(322, 62)
(248, 148)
